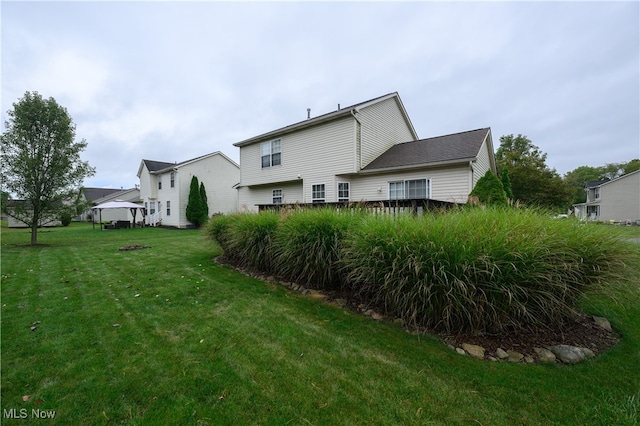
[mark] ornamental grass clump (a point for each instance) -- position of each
(478, 269)
(246, 238)
(308, 245)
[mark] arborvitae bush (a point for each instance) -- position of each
(489, 190)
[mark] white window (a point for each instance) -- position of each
(409, 189)
(277, 196)
(270, 153)
(318, 193)
(343, 191)
(159, 182)
(173, 179)
(168, 208)
(597, 192)
(152, 207)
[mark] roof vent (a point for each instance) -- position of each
(308, 113)
(338, 107)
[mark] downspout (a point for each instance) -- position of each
(358, 140)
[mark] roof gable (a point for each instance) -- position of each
(463, 146)
(340, 113)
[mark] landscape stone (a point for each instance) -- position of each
(568, 354)
(588, 353)
(474, 350)
(514, 356)
(461, 351)
(376, 316)
(545, 355)
(602, 323)
(500, 353)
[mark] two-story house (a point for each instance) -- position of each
(616, 200)
(164, 187)
(366, 152)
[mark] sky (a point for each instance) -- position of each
(171, 81)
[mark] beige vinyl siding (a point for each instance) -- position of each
(620, 199)
(383, 125)
(312, 153)
(482, 164)
(248, 197)
(451, 184)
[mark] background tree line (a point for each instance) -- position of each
(524, 172)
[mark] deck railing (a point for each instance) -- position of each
(391, 207)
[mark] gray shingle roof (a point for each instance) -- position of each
(96, 193)
(154, 166)
(458, 146)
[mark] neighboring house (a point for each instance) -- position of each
(97, 196)
(25, 207)
(366, 152)
(617, 200)
(164, 187)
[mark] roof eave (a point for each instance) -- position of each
(418, 166)
(295, 127)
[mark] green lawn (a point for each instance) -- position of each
(165, 336)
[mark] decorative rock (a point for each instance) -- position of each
(376, 316)
(514, 356)
(314, 294)
(368, 312)
(341, 302)
(528, 359)
(474, 350)
(500, 353)
(568, 354)
(602, 323)
(461, 351)
(545, 355)
(588, 353)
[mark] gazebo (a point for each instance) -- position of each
(117, 205)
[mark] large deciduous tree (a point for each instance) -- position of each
(532, 181)
(41, 163)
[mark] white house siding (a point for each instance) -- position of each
(620, 199)
(482, 164)
(217, 172)
(145, 183)
(450, 184)
(383, 125)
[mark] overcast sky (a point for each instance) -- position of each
(170, 81)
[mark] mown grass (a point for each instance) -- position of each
(198, 343)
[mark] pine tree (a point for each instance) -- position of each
(194, 209)
(204, 205)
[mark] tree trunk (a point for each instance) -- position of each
(34, 233)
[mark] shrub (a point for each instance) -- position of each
(479, 269)
(308, 245)
(246, 237)
(489, 190)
